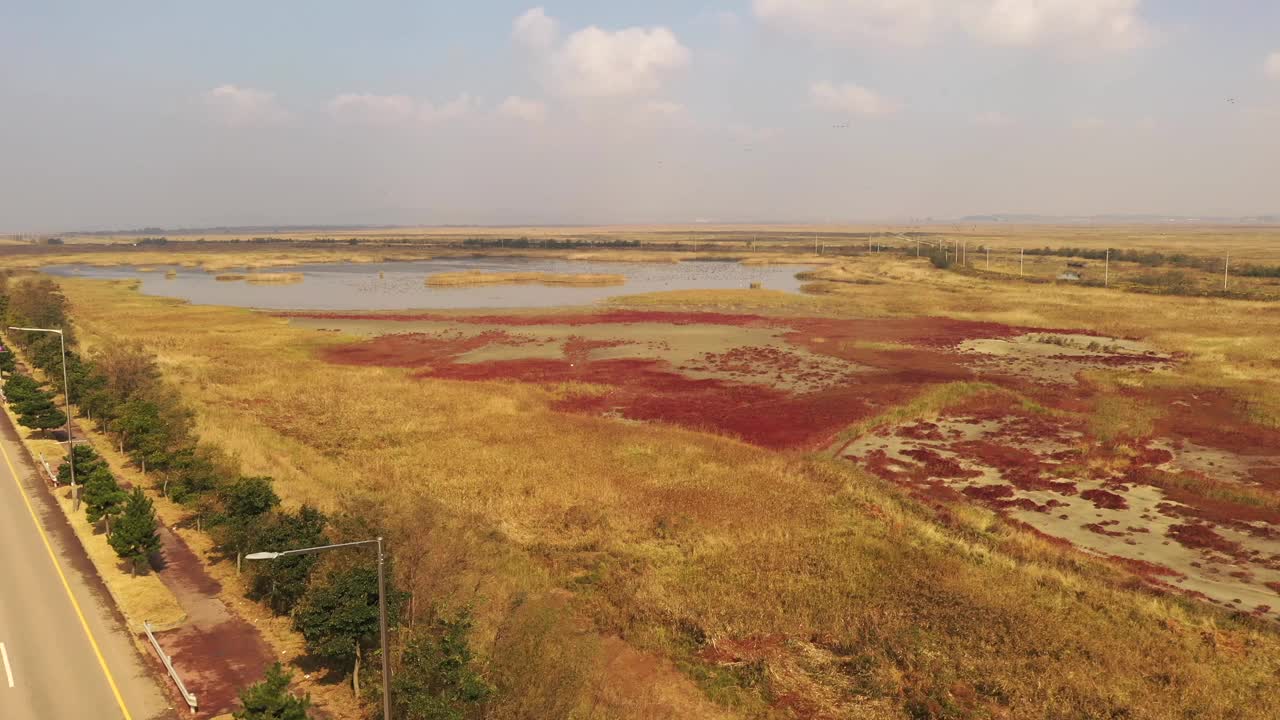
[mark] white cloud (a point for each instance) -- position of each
(992, 118)
(665, 110)
(368, 109)
(850, 99)
(1272, 65)
(750, 135)
(523, 109)
(535, 30)
(394, 110)
(597, 63)
(1095, 23)
(452, 110)
(1102, 23)
(902, 21)
(245, 107)
(601, 63)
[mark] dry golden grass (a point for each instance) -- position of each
(676, 540)
(475, 277)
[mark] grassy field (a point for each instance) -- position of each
(629, 570)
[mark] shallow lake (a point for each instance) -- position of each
(402, 285)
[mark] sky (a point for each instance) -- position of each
(132, 114)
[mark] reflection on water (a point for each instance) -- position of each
(401, 285)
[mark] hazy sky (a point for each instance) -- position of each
(125, 114)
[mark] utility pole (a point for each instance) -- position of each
(1106, 272)
(1022, 262)
(1226, 270)
(988, 257)
(66, 397)
(382, 604)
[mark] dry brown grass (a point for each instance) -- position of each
(676, 540)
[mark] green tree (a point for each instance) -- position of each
(196, 471)
(338, 616)
(20, 388)
(37, 302)
(39, 412)
(103, 497)
(84, 378)
(128, 369)
(281, 583)
(270, 699)
(244, 502)
(144, 433)
(437, 678)
(8, 361)
(86, 460)
(135, 537)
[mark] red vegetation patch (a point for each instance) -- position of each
(652, 390)
(577, 349)
(934, 465)
(1204, 538)
(1199, 501)
(1147, 570)
(920, 431)
(1266, 476)
(1001, 497)
(410, 349)
(1103, 499)
(1021, 467)
(780, 364)
(611, 317)
(1101, 529)
(1211, 417)
(1152, 456)
(989, 492)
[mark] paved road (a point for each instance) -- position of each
(64, 650)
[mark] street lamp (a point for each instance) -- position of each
(382, 604)
(66, 397)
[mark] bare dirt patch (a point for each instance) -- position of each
(1043, 471)
(1059, 357)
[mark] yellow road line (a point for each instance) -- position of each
(102, 662)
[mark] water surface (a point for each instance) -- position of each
(401, 285)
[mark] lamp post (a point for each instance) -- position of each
(66, 397)
(382, 604)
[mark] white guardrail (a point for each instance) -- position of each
(190, 698)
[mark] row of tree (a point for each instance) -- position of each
(1151, 258)
(332, 599)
